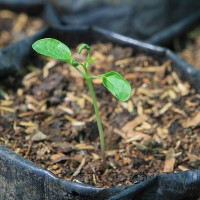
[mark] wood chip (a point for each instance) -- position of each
(26, 114)
(56, 157)
(84, 146)
(145, 91)
(183, 168)
(21, 22)
(140, 109)
(179, 111)
(95, 156)
(169, 161)
(7, 109)
(165, 108)
(120, 133)
(38, 136)
(27, 124)
(124, 61)
(63, 146)
(78, 123)
(47, 67)
(130, 76)
(67, 110)
(143, 126)
(183, 88)
(191, 122)
(4, 95)
(148, 69)
(134, 123)
(139, 136)
(193, 158)
(6, 103)
(79, 167)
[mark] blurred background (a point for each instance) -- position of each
(167, 23)
(156, 21)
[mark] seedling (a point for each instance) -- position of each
(113, 81)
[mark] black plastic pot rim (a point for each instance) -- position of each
(186, 71)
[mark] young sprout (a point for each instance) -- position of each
(113, 81)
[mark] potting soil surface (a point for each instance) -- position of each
(17, 26)
(47, 117)
(191, 52)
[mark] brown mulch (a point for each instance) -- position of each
(17, 26)
(49, 119)
(191, 53)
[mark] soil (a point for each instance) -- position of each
(47, 117)
(191, 52)
(15, 26)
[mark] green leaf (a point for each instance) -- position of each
(53, 48)
(83, 46)
(117, 85)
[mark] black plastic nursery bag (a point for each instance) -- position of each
(20, 179)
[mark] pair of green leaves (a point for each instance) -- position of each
(113, 81)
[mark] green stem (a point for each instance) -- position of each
(98, 118)
(77, 69)
(98, 76)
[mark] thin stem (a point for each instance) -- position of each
(98, 118)
(80, 71)
(94, 76)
